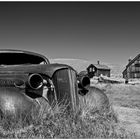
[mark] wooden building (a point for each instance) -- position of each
(132, 69)
(98, 69)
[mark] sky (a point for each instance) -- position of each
(105, 31)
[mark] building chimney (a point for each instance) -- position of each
(98, 62)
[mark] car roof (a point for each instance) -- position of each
(23, 51)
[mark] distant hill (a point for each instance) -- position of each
(79, 65)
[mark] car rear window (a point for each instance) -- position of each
(20, 58)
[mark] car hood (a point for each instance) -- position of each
(48, 69)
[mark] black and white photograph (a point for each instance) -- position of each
(69, 69)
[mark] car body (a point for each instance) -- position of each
(26, 76)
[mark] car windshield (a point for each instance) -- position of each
(20, 59)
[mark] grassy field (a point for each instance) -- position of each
(125, 99)
(56, 124)
(61, 126)
(125, 95)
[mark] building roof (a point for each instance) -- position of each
(99, 66)
(132, 60)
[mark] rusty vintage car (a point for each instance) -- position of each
(26, 76)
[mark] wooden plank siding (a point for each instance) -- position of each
(132, 69)
(99, 70)
(103, 72)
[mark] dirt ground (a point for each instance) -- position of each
(125, 100)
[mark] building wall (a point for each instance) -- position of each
(91, 74)
(103, 72)
(133, 71)
(98, 72)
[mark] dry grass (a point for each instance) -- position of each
(122, 94)
(125, 99)
(88, 123)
